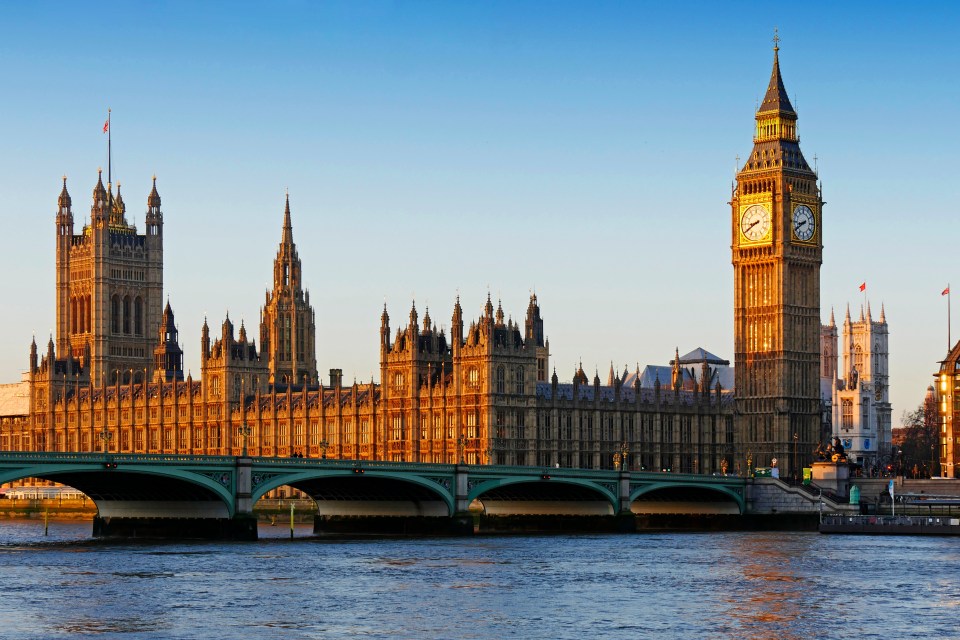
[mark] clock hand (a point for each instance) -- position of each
(751, 226)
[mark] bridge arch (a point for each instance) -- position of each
(557, 495)
(689, 493)
(362, 491)
(143, 491)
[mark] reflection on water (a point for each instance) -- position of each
(754, 585)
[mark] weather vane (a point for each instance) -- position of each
(776, 40)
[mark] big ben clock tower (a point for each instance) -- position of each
(777, 248)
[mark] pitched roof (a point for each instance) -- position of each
(776, 98)
(700, 354)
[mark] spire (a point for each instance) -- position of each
(168, 322)
(118, 202)
(153, 200)
(426, 321)
(869, 316)
(883, 315)
(488, 309)
(64, 201)
(833, 322)
(499, 313)
(287, 227)
(776, 97)
(99, 193)
(846, 320)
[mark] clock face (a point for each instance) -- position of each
(755, 222)
(804, 224)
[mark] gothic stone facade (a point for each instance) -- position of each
(480, 394)
(777, 246)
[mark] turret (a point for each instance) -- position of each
(426, 322)
(205, 340)
(676, 378)
(288, 322)
(119, 209)
(168, 356)
(154, 215)
(226, 332)
(456, 329)
(66, 313)
(534, 324)
(384, 331)
(99, 213)
(33, 355)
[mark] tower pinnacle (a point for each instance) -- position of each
(287, 226)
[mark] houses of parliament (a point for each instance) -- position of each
(112, 378)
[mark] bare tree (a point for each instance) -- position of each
(919, 455)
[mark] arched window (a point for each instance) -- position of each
(858, 359)
(519, 380)
(126, 314)
(87, 325)
(473, 377)
(74, 312)
(138, 316)
(115, 317)
(501, 380)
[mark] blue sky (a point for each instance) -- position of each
(582, 149)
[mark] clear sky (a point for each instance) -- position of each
(584, 150)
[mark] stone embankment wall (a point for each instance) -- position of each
(770, 495)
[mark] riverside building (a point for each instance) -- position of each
(483, 393)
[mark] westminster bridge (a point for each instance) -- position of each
(213, 496)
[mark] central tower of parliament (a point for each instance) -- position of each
(482, 393)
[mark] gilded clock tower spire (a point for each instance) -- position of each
(777, 251)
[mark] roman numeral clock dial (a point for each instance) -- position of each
(755, 223)
(804, 223)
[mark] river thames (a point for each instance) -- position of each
(710, 585)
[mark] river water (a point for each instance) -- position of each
(710, 585)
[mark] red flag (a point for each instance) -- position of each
(945, 291)
(106, 125)
(863, 286)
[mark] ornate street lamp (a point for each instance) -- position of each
(244, 431)
(105, 437)
(796, 438)
(620, 457)
(461, 445)
(324, 445)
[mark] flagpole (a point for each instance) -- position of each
(109, 134)
(949, 341)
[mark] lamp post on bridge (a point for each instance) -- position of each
(621, 456)
(105, 437)
(324, 445)
(244, 431)
(461, 445)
